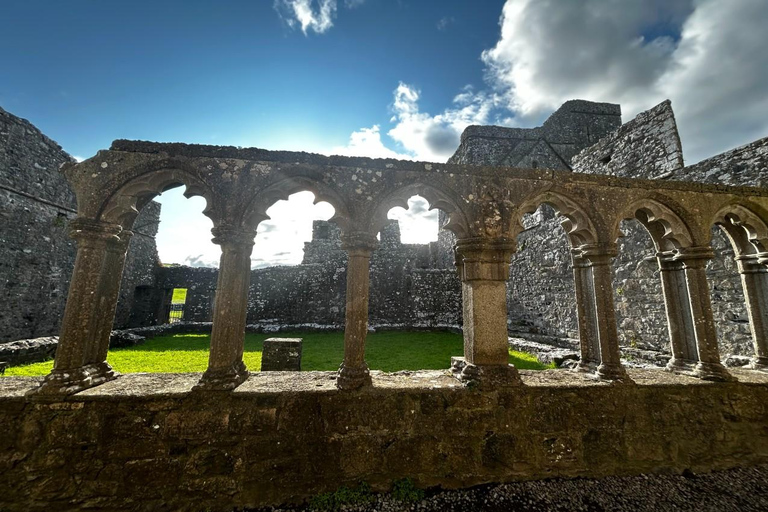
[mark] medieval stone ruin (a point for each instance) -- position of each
(624, 223)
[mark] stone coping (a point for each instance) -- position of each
(301, 158)
(154, 385)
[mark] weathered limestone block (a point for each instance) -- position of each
(281, 355)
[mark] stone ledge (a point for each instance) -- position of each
(146, 439)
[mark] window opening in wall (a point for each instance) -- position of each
(178, 301)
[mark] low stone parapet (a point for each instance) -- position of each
(147, 441)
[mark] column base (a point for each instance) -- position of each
(223, 379)
(613, 372)
(61, 383)
(712, 371)
(487, 377)
(353, 377)
(759, 364)
(681, 367)
(589, 367)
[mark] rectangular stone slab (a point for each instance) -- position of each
(281, 354)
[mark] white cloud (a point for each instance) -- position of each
(418, 225)
(707, 56)
(444, 22)
(78, 158)
(435, 137)
(314, 15)
(367, 142)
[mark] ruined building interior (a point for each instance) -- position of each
(584, 232)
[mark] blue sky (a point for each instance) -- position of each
(88, 72)
(395, 78)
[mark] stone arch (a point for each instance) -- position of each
(446, 201)
(124, 204)
(669, 231)
(256, 207)
(578, 226)
(745, 227)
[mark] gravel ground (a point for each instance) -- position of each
(744, 490)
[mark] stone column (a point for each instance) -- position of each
(354, 372)
(111, 281)
(682, 336)
(600, 259)
(484, 270)
(80, 359)
(589, 343)
(754, 279)
(226, 369)
(695, 261)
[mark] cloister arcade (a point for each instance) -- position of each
(485, 206)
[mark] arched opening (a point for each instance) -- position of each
(542, 275)
(653, 308)
(298, 265)
(738, 277)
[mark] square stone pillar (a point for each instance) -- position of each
(589, 344)
(754, 280)
(600, 258)
(682, 336)
(694, 261)
(226, 369)
(88, 316)
(354, 372)
(484, 269)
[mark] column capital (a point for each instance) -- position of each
(359, 242)
(667, 261)
(752, 263)
(484, 258)
(227, 235)
(696, 256)
(82, 229)
(597, 254)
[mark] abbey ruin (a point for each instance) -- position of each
(583, 229)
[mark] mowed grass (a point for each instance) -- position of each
(387, 351)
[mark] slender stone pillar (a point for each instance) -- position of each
(354, 372)
(111, 280)
(754, 279)
(484, 270)
(226, 369)
(682, 336)
(695, 261)
(600, 259)
(80, 360)
(589, 343)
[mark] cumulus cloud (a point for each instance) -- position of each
(200, 261)
(367, 142)
(314, 15)
(435, 137)
(707, 56)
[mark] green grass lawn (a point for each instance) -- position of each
(387, 351)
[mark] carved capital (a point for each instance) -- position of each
(88, 231)
(229, 236)
(752, 263)
(359, 243)
(597, 254)
(484, 258)
(667, 261)
(695, 257)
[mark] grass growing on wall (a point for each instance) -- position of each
(387, 351)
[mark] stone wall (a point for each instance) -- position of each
(406, 289)
(541, 296)
(36, 253)
(145, 442)
(650, 145)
